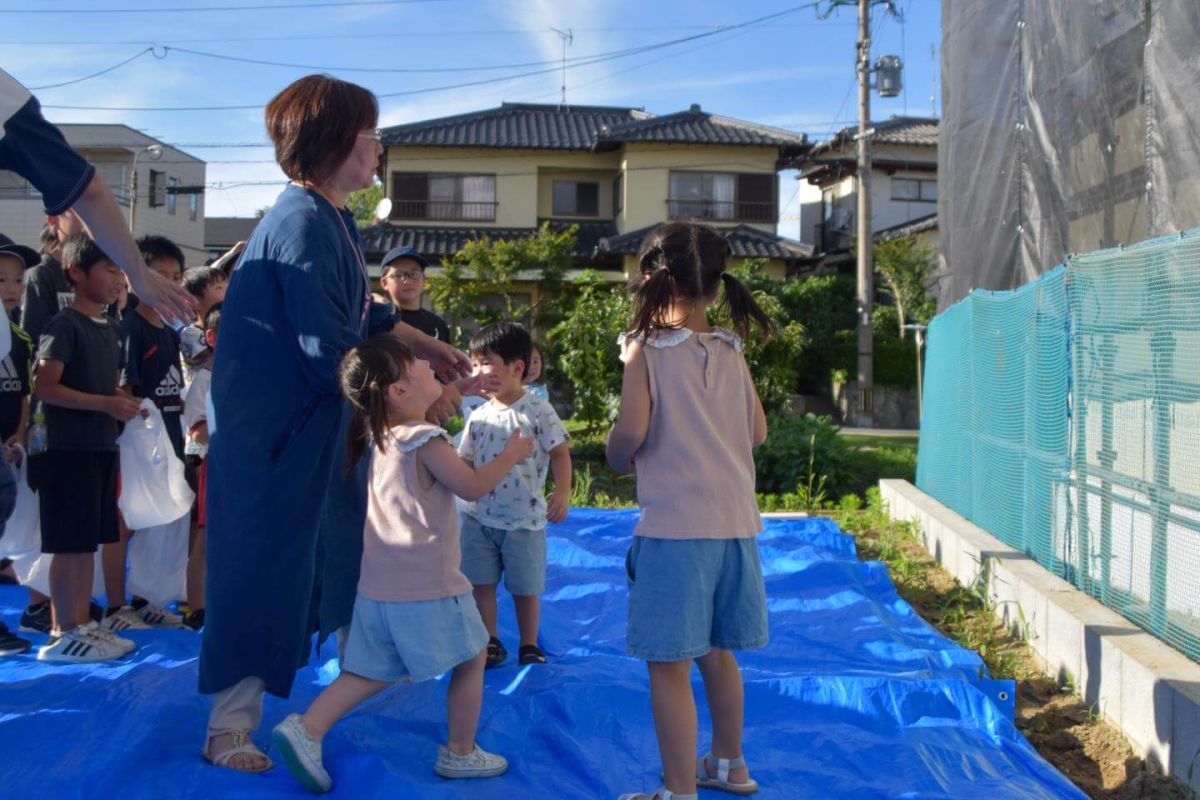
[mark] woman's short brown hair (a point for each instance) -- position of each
(315, 123)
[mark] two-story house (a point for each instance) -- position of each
(903, 186)
(615, 172)
(170, 187)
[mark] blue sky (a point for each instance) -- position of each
(796, 71)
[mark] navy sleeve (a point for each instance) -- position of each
(323, 311)
(381, 318)
(37, 151)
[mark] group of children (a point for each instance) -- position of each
(88, 356)
(688, 421)
(427, 603)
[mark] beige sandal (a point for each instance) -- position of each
(242, 745)
(721, 779)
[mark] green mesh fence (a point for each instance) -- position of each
(1064, 418)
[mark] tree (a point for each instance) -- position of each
(907, 268)
(587, 343)
(479, 281)
(362, 204)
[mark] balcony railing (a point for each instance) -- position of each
(723, 210)
(445, 211)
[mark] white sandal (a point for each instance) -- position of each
(721, 781)
(662, 794)
(242, 745)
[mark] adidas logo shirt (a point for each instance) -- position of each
(152, 369)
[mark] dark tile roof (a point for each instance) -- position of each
(695, 126)
(514, 125)
(436, 243)
(527, 125)
(745, 241)
(928, 222)
(227, 231)
(919, 131)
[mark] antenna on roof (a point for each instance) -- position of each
(567, 38)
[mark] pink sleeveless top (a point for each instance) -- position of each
(410, 545)
(695, 470)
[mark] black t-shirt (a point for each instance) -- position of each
(427, 322)
(91, 352)
(14, 382)
(47, 292)
(152, 370)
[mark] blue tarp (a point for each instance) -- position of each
(855, 697)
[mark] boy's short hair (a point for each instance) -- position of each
(81, 252)
(197, 280)
(212, 317)
(508, 340)
(157, 247)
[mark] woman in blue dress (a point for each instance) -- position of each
(279, 506)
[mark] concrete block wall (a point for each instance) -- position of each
(1145, 687)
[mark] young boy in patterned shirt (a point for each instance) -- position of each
(505, 531)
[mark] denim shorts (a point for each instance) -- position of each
(413, 641)
(687, 596)
(519, 554)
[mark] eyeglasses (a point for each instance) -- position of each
(375, 136)
(406, 277)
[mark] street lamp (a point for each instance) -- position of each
(154, 152)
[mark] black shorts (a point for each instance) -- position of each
(77, 498)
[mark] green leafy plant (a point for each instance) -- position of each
(586, 341)
(361, 204)
(797, 449)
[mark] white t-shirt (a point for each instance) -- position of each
(518, 502)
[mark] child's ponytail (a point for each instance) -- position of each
(365, 374)
(653, 290)
(743, 308)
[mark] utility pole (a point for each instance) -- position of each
(864, 418)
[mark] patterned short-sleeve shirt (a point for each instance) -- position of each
(518, 501)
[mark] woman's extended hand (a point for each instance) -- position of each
(448, 362)
(169, 299)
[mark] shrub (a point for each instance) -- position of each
(793, 443)
(586, 341)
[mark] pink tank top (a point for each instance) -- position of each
(695, 471)
(410, 544)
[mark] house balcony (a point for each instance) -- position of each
(722, 210)
(444, 210)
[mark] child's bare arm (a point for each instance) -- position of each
(560, 468)
(469, 483)
(51, 390)
(760, 422)
(633, 420)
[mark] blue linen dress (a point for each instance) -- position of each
(297, 301)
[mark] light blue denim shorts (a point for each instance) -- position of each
(520, 555)
(413, 641)
(687, 596)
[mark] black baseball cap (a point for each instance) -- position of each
(404, 252)
(28, 255)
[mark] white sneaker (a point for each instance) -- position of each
(479, 764)
(97, 631)
(78, 647)
(301, 753)
(158, 617)
(125, 619)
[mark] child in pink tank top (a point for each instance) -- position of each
(689, 420)
(414, 617)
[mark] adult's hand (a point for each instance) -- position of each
(448, 362)
(445, 406)
(227, 260)
(98, 209)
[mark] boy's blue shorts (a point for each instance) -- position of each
(519, 554)
(687, 596)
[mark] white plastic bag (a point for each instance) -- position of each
(22, 532)
(33, 571)
(153, 489)
(158, 559)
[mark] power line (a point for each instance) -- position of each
(481, 82)
(105, 71)
(191, 9)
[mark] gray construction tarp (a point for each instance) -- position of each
(1068, 126)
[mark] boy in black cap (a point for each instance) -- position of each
(14, 399)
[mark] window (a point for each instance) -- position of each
(914, 190)
(172, 184)
(193, 206)
(618, 193)
(157, 184)
(576, 199)
(723, 196)
(419, 195)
